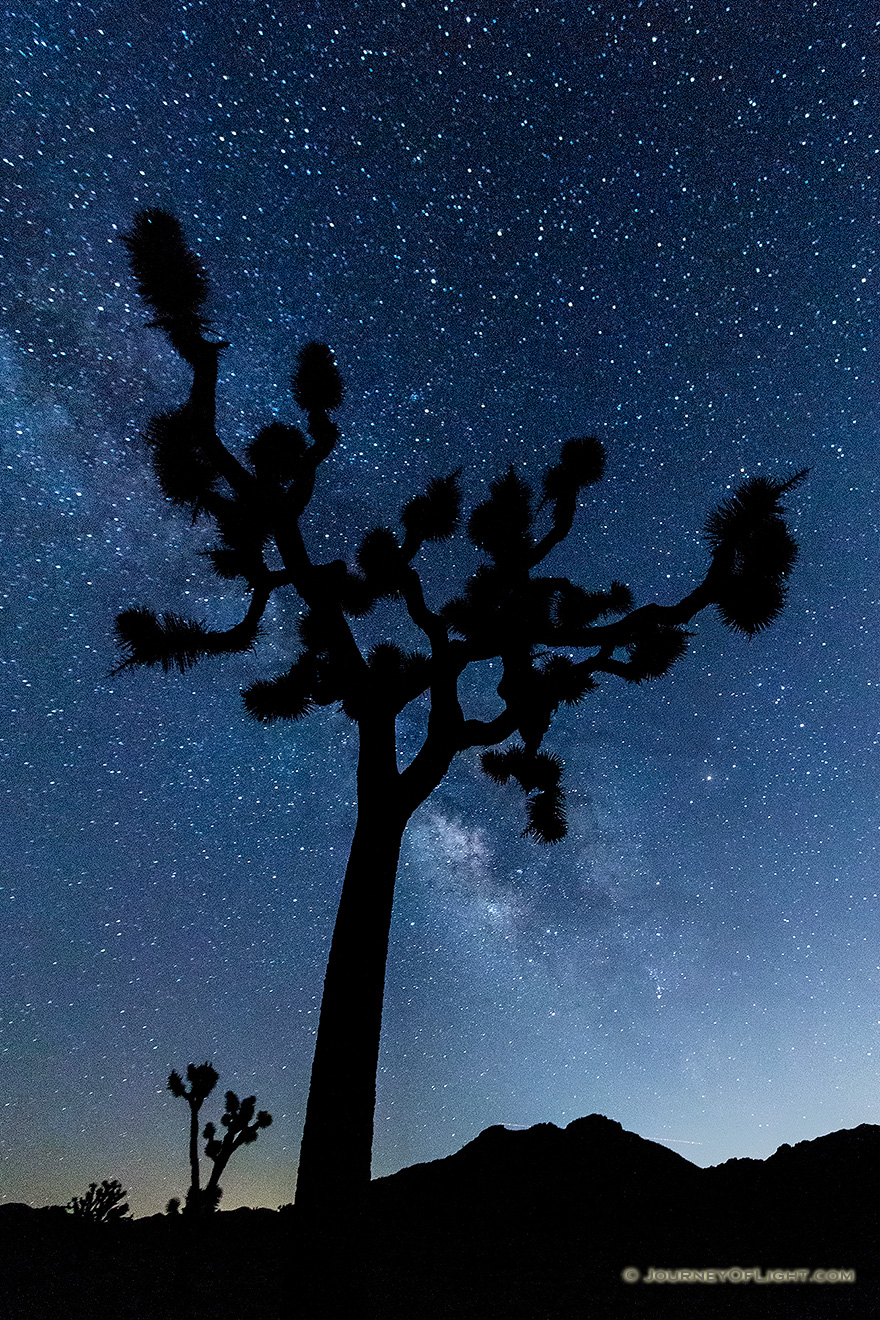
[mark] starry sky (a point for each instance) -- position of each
(515, 223)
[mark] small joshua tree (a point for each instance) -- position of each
(202, 1078)
(101, 1204)
(241, 1129)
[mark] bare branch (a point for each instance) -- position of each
(431, 624)
(203, 403)
(485, 733)
(623, 630)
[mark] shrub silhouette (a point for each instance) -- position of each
(101, 1204)
(527, 624)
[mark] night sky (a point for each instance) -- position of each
(514, 223)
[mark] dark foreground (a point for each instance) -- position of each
(518, 1225)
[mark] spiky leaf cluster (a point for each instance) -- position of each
(538, 773)
(753, 554)
(185, 472)
(277, 451)
(656, 649)
(499, 608)
(565, 681)
(287, 697)
(172, 641)
(502, 524)
(317, 384)
(242, 523)
(170, 278)
(433, 516)
(581, 463)
(485, 611)
(575, 610)
(244, 527)
(398, 675)
(229, 563)
(202, 1078)
(354, 594)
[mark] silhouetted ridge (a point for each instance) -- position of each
(534, 1224)
(542, 1222)
(586, 1142)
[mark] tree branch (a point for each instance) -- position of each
(625, 629)
(204, 359)
(563, 517)
(484, 733)
(443, 737)
(431, 624)
(181, 642)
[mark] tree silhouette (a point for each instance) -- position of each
(507, 612)
(104, 1204)
(202, 1078)
(241, 1129)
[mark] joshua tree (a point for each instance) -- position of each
(241, 1129)
(202, 1078)
(101, 1204)
(549, 639)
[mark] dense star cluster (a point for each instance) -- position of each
(515, 224)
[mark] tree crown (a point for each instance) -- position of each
(553, 637)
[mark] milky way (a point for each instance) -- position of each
(514, 223)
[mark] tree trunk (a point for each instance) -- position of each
(193, 1150)
(212, 1187)
(335, 1156)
